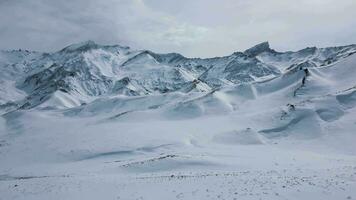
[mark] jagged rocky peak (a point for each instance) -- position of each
(169, 57)
(258, 49)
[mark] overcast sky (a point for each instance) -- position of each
(194, 28)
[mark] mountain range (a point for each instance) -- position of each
(110, 122)
(84, 72)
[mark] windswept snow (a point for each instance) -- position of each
(109, 122)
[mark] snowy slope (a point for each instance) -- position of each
(96, 121)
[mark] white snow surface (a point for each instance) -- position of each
(109, 122)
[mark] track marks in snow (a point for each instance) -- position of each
(321, 184)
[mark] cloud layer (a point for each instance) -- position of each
(192, 27)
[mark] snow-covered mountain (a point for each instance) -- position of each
(82, 73)
(115, 118)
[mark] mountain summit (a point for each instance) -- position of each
(257, 49)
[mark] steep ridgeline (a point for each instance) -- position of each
(82, 73)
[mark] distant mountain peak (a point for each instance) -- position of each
(82, 46)
(89, 45)
(257, 49)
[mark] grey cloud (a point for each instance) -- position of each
(191, 27)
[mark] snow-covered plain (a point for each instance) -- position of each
(108, 122)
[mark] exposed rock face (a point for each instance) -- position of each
(258, 49)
